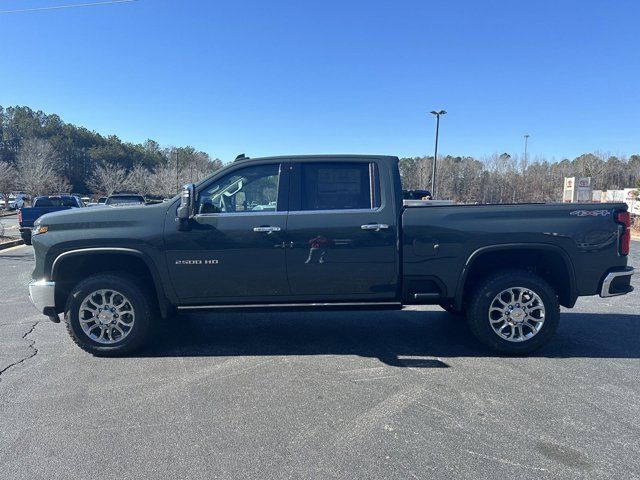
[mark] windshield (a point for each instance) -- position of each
(125, 200)
(55, 202)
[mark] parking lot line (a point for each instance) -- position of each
(13, 248)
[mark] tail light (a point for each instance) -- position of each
(20, 216)
(624, 219)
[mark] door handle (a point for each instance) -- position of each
(374, 226)
(266, 229)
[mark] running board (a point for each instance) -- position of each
(275, 306)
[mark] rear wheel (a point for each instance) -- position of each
(108, 314)
(514, 312)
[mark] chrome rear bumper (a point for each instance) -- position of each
(42, 295)
(605, 290)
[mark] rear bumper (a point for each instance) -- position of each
(42, 295)
(617, 283)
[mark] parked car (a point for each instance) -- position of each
(102, 200)
(416, 194)
(42, 205)
(122, 200)
(16, 201)
(339, 237)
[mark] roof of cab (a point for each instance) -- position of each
(346, 156)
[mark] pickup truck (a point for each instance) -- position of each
(41, 205)
(323, 232)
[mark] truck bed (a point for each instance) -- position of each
(439, 240)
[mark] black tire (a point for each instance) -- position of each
(451, 309)
(478, 312)
(26, 239)
(139, 300)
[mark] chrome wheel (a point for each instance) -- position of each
(516, 314)
(106, 316)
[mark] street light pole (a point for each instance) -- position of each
(435, 155)
(526, 138)
(177, 179)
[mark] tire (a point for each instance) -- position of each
(119, 333)
(26, 239)
(517, 313)
(451, 309)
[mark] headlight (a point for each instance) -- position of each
(38, 229)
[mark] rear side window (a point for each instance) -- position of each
(338, 186)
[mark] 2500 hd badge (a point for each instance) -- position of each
(197, 262)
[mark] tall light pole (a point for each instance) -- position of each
(526, 138)
(177, 179)
(435, 155)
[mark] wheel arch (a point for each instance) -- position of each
(551, 262)
(70, 267)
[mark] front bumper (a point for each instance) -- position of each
(42, 295)
(617, 283)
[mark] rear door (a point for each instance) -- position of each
(341, 232)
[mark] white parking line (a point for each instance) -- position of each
(12, 248)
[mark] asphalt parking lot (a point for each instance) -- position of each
(394, 395)
(10, 224)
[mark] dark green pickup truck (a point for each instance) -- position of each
(323, 232)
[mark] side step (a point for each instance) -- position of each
(298, 306)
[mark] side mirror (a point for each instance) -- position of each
(186, 209)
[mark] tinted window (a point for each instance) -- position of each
(56, 202)
(251, 189)
(125, 200)
(336, 186)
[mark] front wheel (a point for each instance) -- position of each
(514, 312)
(108, 314)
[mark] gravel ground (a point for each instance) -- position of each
(394, 395)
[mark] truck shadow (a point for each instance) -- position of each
(397, 338)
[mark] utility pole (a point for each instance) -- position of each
(435, 155)
(526, 138)
(177, 179)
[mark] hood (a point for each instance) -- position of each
(100, 215)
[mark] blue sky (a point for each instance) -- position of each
(345, 76)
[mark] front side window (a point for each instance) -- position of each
(251, 189)
(337, 186)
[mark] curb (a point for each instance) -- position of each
(12, 243)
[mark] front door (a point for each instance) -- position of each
(233, 252)
(341, 233)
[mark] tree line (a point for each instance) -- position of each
(511, 179)
(39, 153)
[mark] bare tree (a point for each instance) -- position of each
(62, 185)
(140, 180)
(8, 181)
(164, 181)
(37, 164)
(108, 178)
